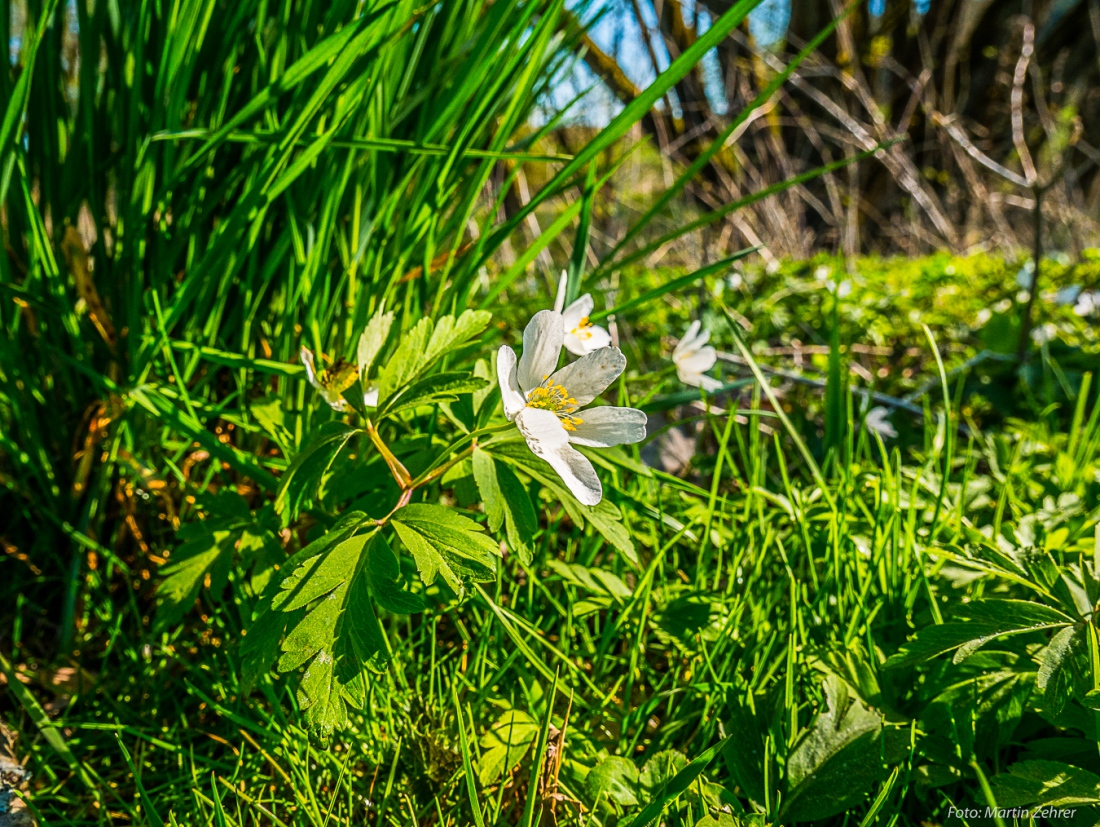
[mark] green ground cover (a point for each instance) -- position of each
(745, 655)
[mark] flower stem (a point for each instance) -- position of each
(440, 466)
(400, 472)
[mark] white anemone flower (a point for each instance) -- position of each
(1087, 303)
(693, 357)
(876, 421)
(547, 403)
(330, 383)
(581, 336)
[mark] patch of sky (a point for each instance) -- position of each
(616, 31)
(768, 23)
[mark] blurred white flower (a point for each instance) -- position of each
(1044, 333)
(823, 272)
(581, 336)
(984, 315)
(331, 383)
(1087, 303)
(693, 357)
(1067, 295)
(545, 403)
(876, 420)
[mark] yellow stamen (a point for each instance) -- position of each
(339, 377)
(553, 397)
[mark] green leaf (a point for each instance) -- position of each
(406, 362)
(320, 575)
(507, 503)
(1061, 667)
(505, 744)
(304, 476)
(605, 517)
(1046, 784)
(675, 786)
(422, 346)
(727, 820)
(270, 414)
(450, 332)
(260, 646)
(604, 588)
(661, 769)
(338, 635)
(836, 762)
(207, 549)
(998, 619)
(443, 542)
(371, 342)
(613, 779)
(442, 387)
(386, 583)
(747, 757)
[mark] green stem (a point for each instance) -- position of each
(470, 440)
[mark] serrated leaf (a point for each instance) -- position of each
(406, 362)
(505, 744)
(606, 587)
(605, 517)
(386, 583)
(260, 551)
(432, 390)
(339, 636)
(836, 762)
(444, 542)
(450, 332)
(260, 647)
(371, 342)
(320, 575)
(308, 469)
(208, 549)
(315, 632)
(613, 779)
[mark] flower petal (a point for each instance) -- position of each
(587, 378)
(700, 361)
(542, 340)
(510, 393)
(586, 340)
(559, 300)
(606, 426)
(578, 311)
(548, 439)
(876, 420)
(334, 398)
(685, 345)
(311, 371)
(370, 397)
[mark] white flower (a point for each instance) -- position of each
(876, 421)
(694, 357)
(546, 403)
(581, 336)
(331, 383)
(1087, 303)
(1044, 333)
